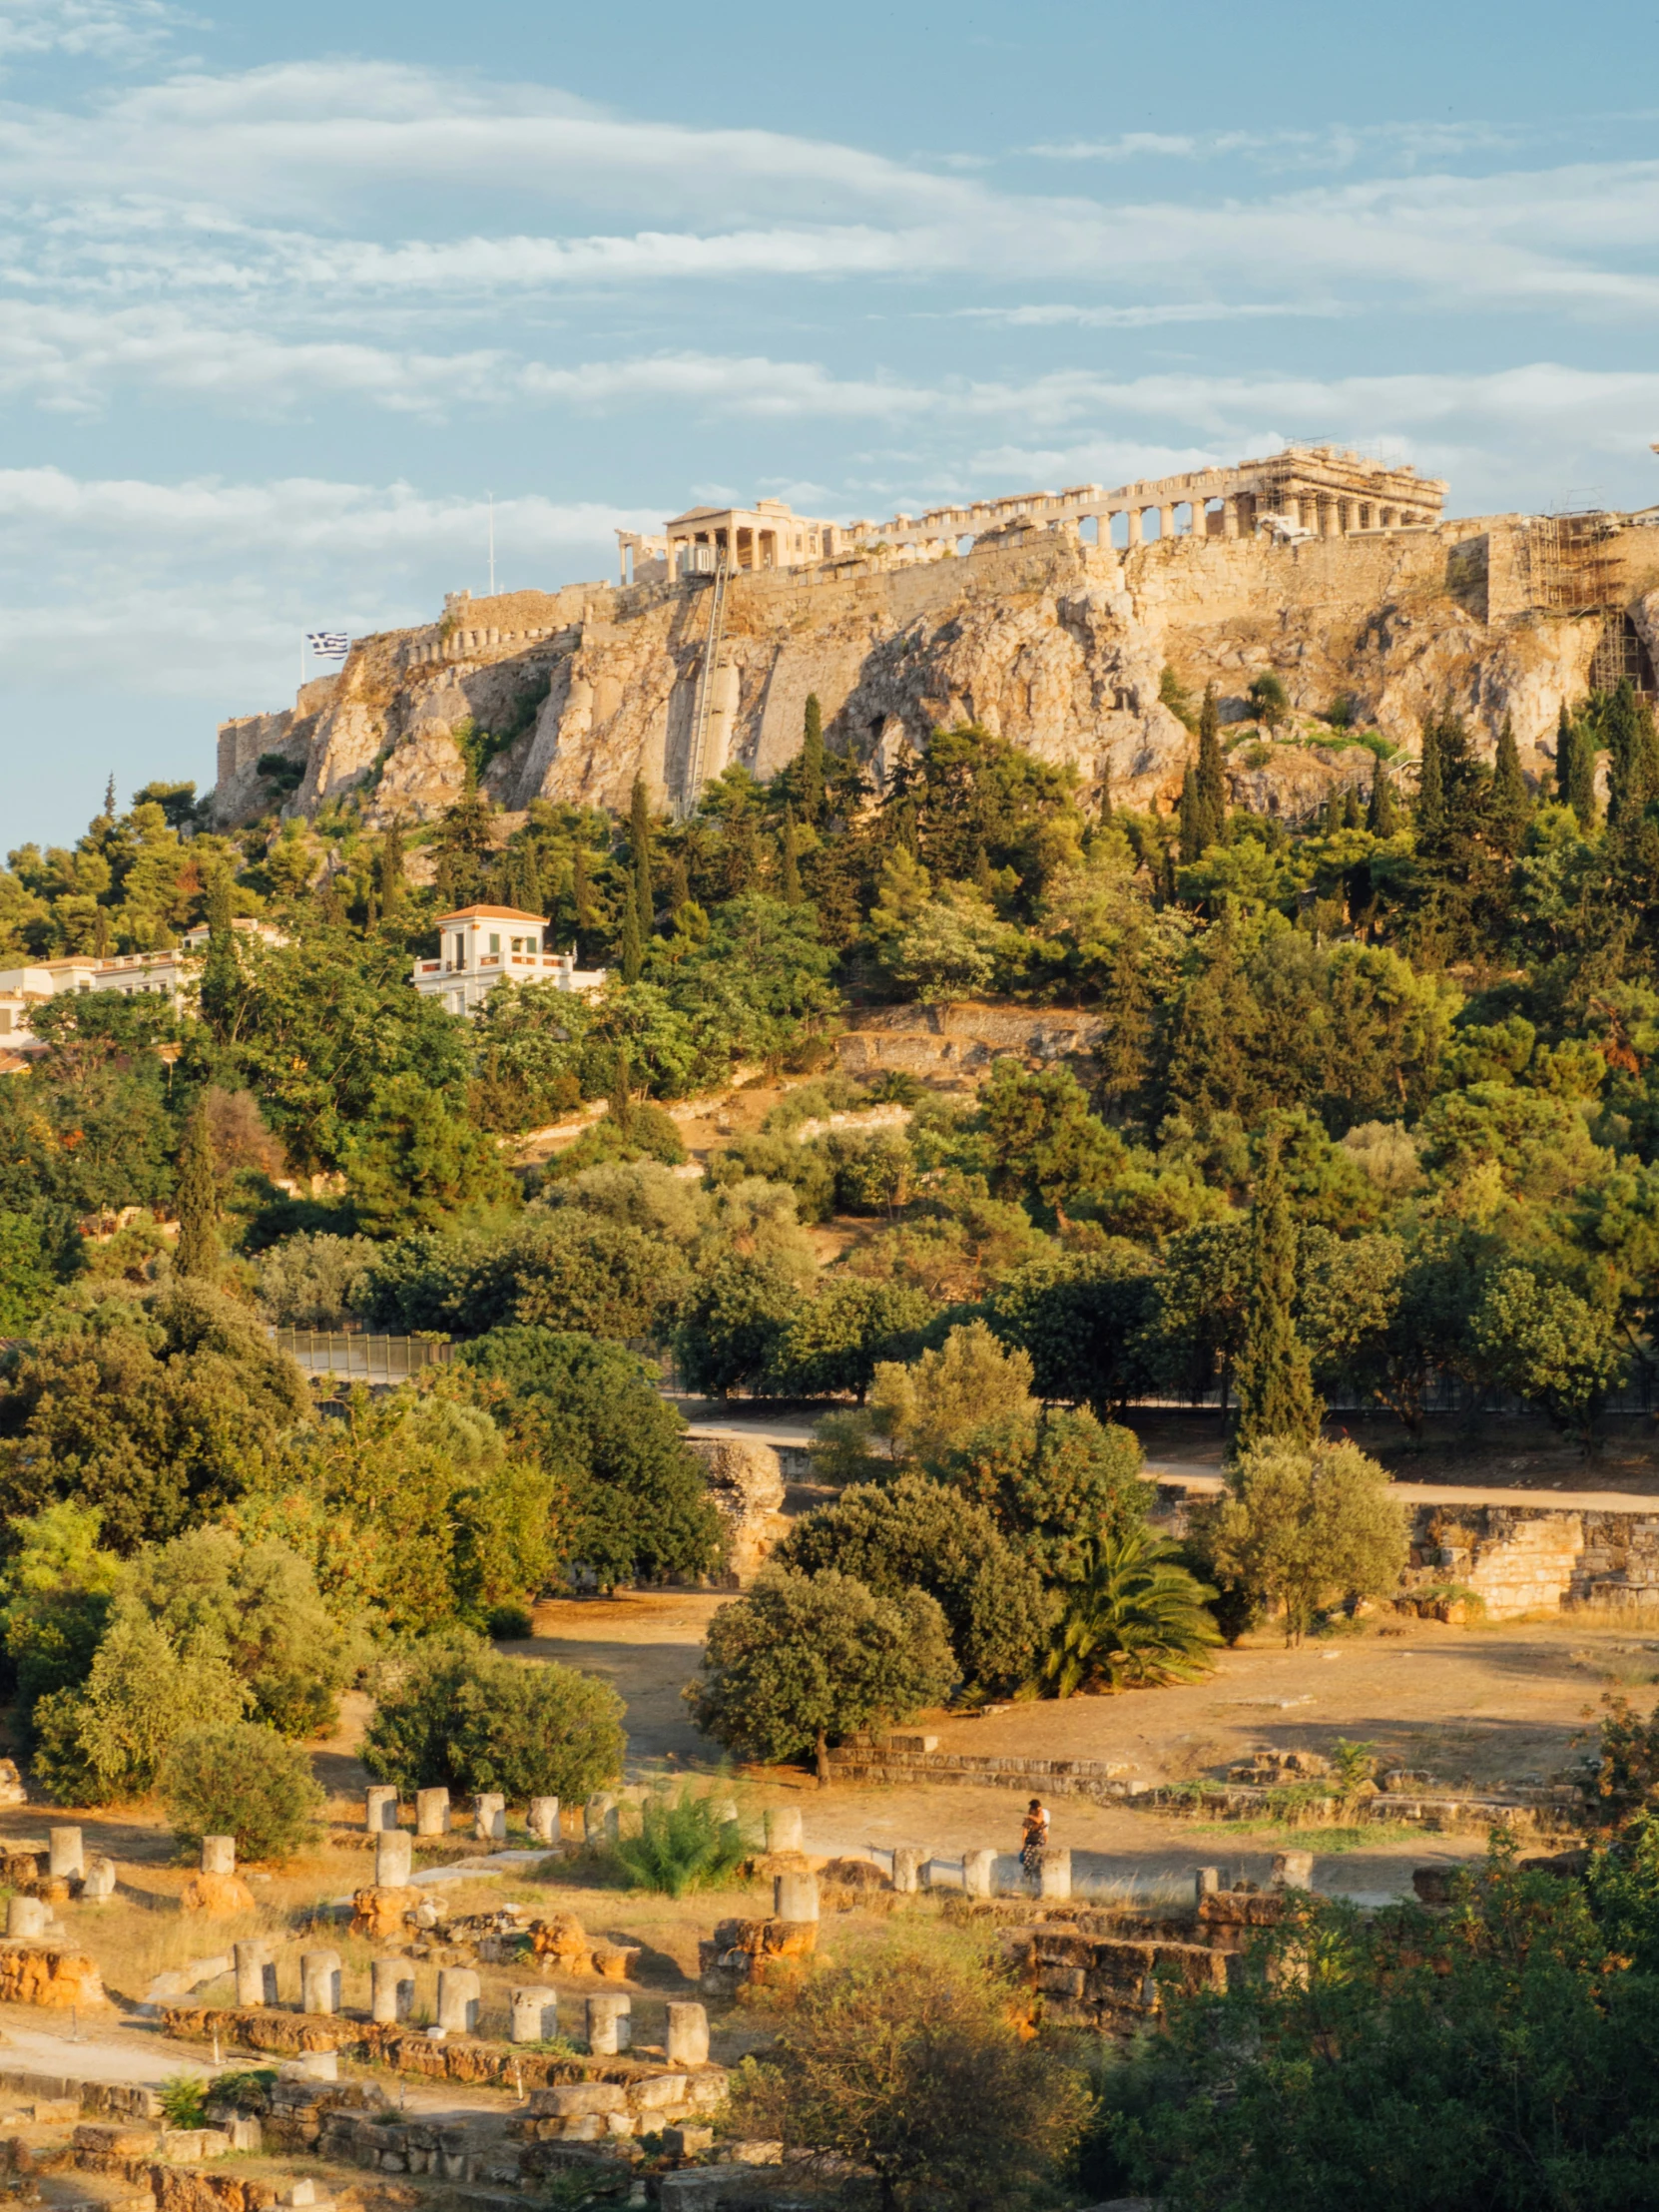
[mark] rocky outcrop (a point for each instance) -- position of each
(1056, 644)
(41, 1973)
(746, 1487)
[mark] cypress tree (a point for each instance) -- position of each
(791, 865)
(621, 1100)
(1276, 1400)
(389, 869)
(1210, 783)
(633, 953)
(1166, 879)
(1382, 815)
(1511, 801)
(108, 799)
(196, 1203)
(582, 896)
(1581, 775)
(1352, 819)
(1186, 819)
(982, 870)
(1105, 815)
(1333, 813)
(639, 839)
(101, 932)
(812, 761)
(1430, 808)
(1564, 745)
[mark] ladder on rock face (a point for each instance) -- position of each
(696, 752)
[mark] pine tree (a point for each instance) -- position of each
(982, 877)
(1166, 878)
(1105, 816)
(196, 1203)
(638, 840)
(582, 896)
(1430, 808)
(1276, 1400)
(1210, 781)
(791, 865)
(108, 799)
(101, 933)
(621, 1099)
(811, 775)
(1511, 801)
(1382, 815)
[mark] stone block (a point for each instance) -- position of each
(25, 1919)
(979, 1873)
(908, 1863)
(379, 1808)
(431, 1811)
(384, 1915)
(610, 2025)
(689, 2140)
(544, 1819)
(1206, 1881)
(319, 1981)
(1293, 1869)
(687, 2035)
(63, 1857)
(219, 1854)
(1054, 1874)
(913, 1745)
(535, 2014)
(490, 1817)
(795, 1896)
(568, 2099)
(217, 1896)
(98, 1884)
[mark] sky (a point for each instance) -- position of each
(288, 296)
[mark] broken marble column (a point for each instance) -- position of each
(393, 1858)
(1293, 1869)
(795, 1896)
(431, 1811)
(380, 1808)
(1054, 1874)
(391, 1985)
(1206, 1881)
(490, 1817)
(979, 1874)
(63, 1852)
(256, 1972)
(783, 1829)
(544, 1819)
(98, 1883)
(906, 1868)
(594, 1811)
(219, 1854)
(610, 2025)
(319, 1981)
(687, 2035)
(535, 2014)
(25, 1919)
(458, 1991)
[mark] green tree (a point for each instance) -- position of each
(244, 1781)
(639, 844)
(810, 767)
(914, 1533)
(940, 1400)
(1276, 1384)
(1511, 801)
(58, 1587)
(1135, 1619)
(1209, 777)
(1300, 1531)
(457, 1715)
(907, 2067)
(804, 1657)
(1083, 1317)
(731, 1329)
(833, 1343)
(1045, 1145)
(1056, 1485)
(1544, 1340)
(1270, 699)
(790, 865)
(27, 1283)
(1382, 815)
(415, 1162)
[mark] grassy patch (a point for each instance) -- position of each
(1323, 1842)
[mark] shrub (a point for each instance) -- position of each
(508, 1624)
(683, 1844)
(1136, 1619)
(1302, 1529)
(184, 2100)
(243, 1781)
(463, 1717)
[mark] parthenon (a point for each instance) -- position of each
(1303, 492)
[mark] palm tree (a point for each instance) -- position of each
(1135, 1619)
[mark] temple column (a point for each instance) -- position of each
(1199, 525)
(1135, 536)
(1166, 521)
(1230, 518)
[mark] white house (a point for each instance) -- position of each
(480, 947)
(171, 974)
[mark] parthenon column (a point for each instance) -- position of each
(1135, 537)
(1198, 526)
(1166, 521)
(1230, 518)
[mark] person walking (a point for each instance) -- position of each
(1033, 1840)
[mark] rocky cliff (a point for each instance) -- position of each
(1055, 644)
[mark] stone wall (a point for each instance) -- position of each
(1524, 1561)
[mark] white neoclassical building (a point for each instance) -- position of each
(480, 947)
(172, 973)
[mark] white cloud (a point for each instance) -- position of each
(106, 30)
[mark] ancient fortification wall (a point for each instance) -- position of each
(1056, 644)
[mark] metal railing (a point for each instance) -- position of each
(376, 1358)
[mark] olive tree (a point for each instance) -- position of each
(1301, 1529)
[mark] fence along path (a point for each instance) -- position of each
(376, 1358)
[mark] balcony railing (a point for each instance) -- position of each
(376, 1358)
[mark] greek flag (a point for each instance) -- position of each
(329, 645)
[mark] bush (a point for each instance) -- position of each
(1136, 1619)
(243, 1781)
(1302, 1529)
(464, 1718)
(184, 2097)
(683, 1844)
(508, 1624)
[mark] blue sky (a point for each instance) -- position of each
(285, 294)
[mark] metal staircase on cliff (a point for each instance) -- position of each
(696, 752)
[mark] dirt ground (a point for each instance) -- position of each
(1470, 1708)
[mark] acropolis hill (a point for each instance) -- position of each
(1048, 618)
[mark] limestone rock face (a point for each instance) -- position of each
(35, 1973)
(382, 1913)
(1055, 645)
(217, 1896)
(746, 1487)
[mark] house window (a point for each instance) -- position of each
(495, 941)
